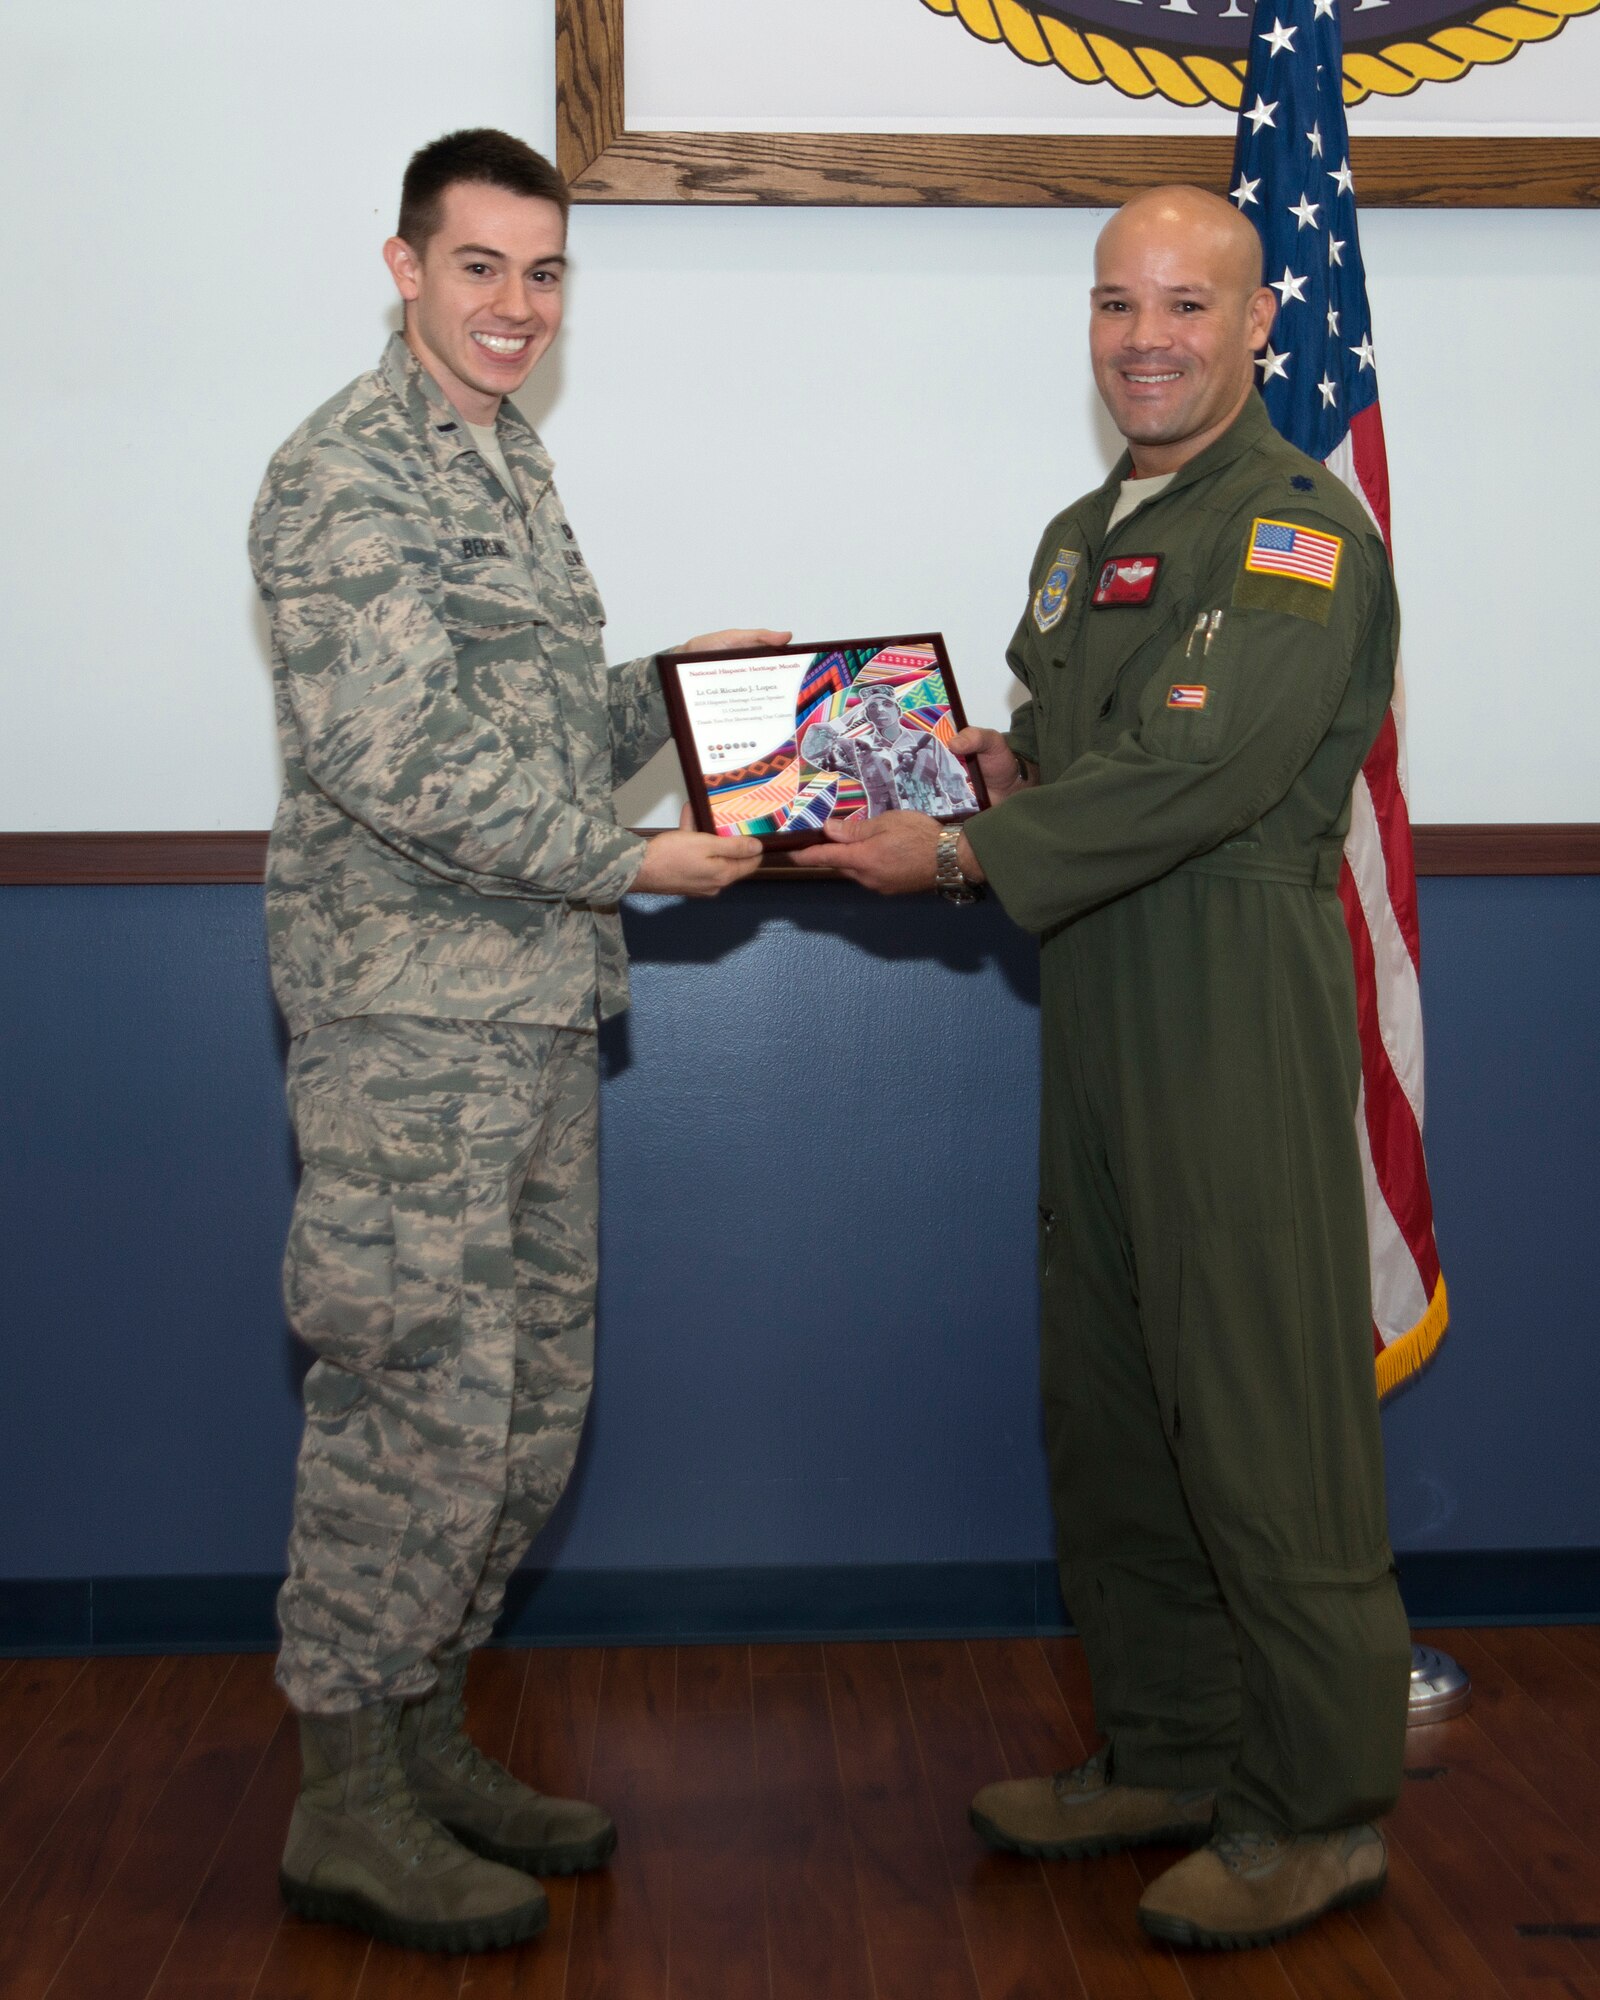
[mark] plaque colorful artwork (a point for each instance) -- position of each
(777, 742)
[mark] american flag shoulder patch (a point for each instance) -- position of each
(1185, 695)
(1280, 548)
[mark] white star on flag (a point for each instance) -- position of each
(1333, 319)
(1260, 114)
(1279, 39)
(1320, 8)
(1306, 209)
(1245, 193)
(1343, 180)
(1365, 357)
(1329, 390)
(1335, 249)
(1272, 363)
(1289, 287)
(1314, 140)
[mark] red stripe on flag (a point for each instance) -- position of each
(1372, 465)
(1392, 1133)
(1382, 773)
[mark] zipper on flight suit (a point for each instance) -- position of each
(1160, 637)
(1160, 634)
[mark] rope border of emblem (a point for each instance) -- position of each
(1137, 70)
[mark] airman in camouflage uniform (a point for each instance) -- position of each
(443, 881)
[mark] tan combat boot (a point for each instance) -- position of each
(362, 1852)
(1085, 1811)
(481, 1803)
(1245, 1889)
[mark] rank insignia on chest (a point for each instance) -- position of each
(1125, 580)
(1050, 599)
(1187, 695)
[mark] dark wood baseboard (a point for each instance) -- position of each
(176, 1614)
(65, 859)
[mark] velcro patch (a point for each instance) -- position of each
(1286, 567)
(1187, 695)
(1281, 548)
(1125, 580)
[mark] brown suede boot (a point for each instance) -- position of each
(481, 1803)
(362, 1852)
(1245, 1889)
(1085, 1811)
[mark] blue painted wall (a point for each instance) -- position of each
(817, 1313)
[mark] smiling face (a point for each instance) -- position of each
(483, 295)
(1177, 316)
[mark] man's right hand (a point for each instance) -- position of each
(695, 864)
(995, 759)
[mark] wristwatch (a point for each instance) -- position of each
(947, 876)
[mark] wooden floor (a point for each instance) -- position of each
(793, 1827)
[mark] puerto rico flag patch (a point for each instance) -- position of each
(1279, 548)
(1185, 695)
(1126, 580)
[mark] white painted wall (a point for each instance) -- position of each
(839, 420)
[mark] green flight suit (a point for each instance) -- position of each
(1210, 1403)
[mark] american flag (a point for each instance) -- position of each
(1278, 548)
(1292, 179)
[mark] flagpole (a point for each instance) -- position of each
(1291, 178)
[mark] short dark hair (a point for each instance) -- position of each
(481, 155)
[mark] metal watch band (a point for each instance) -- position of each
(947, 876)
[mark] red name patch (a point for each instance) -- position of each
(1126, 580)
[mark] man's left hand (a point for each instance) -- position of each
(896, 853)
(736, 640)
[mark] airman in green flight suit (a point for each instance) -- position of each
(1208, 652)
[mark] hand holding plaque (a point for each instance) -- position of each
(777, 741)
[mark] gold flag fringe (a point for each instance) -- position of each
(1411, 1351)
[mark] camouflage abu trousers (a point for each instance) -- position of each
(441, 1266)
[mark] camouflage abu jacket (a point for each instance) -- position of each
(445, 845)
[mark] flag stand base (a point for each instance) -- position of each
(1440, 1687)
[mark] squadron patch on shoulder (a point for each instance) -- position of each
(1050, 599)
(1125, 580)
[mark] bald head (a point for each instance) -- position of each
(1210, 229)
(1178, 315)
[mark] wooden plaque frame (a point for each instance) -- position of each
(669, 665)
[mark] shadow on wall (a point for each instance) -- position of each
(899, 932)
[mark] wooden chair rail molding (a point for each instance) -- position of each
(60, 859)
